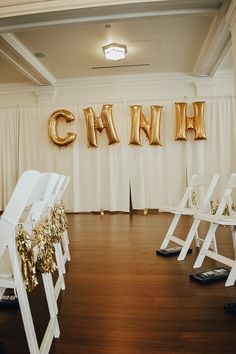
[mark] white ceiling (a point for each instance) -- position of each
(164, 36)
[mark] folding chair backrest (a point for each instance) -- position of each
(226, 198)
(18, 202)
(188, 193)
(209, 184)
(56, 191)
(193, 191)
(40, 196)
(232, 181)
(63, 187)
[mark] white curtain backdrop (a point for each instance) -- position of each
(157, 173)
(9, 133)
(104, 177)
(217, 153)
(99, 176)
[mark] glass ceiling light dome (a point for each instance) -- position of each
(115, 51)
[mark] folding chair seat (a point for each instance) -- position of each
(11, 274)
(199, 185)
(216, 220)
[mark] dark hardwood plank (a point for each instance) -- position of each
(121, 298)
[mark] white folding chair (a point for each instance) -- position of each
(215, 221)
(189, 206)
(10, 274)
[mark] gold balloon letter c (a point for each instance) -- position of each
(52, 127)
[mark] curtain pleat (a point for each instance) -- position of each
(9, 153)
(216, 154)
(105, 177)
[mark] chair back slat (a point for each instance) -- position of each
(40, 196)
(18, 202)
(232, 181)
(56, 191)
(63, 187)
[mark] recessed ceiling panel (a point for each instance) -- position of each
(167, 44)
(9, 74)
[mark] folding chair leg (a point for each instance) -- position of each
(206, 244)
(170, 231)
(65, 242)
(27, 318)
(197, 242)
(214, 245)
(53, 330)
(48, 337)
(59, 258)
(60, 283)
(232, 276)
(60, 265)
(233, 230)
(192, 233)
(49, 291)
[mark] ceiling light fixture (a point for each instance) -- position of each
(114, 51)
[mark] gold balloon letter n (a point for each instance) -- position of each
(52, 127)
(196, 123)
(138, 122)
(104, 121)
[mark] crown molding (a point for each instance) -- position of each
(30, 8)
(6, 89)
(215, 46)
(16, 53)
(18, 8)
(45, 95)
(132, 79)
(203, 85)
(75, 13)
(231, 14)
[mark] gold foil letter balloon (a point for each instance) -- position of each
(107, 120)
(139, 121)
(196, 123)
(91, 127)
(52, 127)
(104, 121)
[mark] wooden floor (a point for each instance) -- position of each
(123, 299)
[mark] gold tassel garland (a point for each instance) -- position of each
(46, 232)
(25, 251)
(59, 220)
(43, 233)
(215, 204)
(194, 199)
